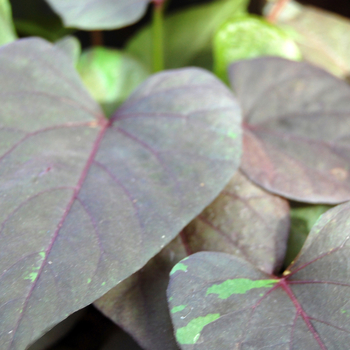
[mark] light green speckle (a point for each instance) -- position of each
(232, 135)
(178, 308)
(32, 276)
(103, 283)
(171, 298)
(191, 333)
(42, 254)
(89, 280)
(178, 267)
(238, 286)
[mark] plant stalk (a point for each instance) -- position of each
(158, 39)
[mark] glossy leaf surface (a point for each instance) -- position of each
(110, 76)
(7, 30)
(243, 220)
(323, 37)
(296, 129)
(85, 202)
(222, 302)
(250, 37)
(188, 34)
(99, 14)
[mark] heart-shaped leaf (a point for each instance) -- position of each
(85, 201)
(188, 34)
(249, 37)
(110, 76)
(243, 220)
(99, 14)
(221, 302)
(321, 36)
(296, 129)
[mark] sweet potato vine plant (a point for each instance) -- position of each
(112, 178)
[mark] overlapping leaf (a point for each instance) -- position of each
(110, 76)
(85, 201)
(323, 37)
(244, 220)
(296, 129)
(221, 302)
(99, 14)
(188, 34)
(247, 37)
(7, 30)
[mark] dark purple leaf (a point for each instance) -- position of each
(85, 201)
(296, 129)
(221, 302)
(99, 14)
(243, 220)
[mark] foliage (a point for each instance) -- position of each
(164, 199)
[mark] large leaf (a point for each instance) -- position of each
(110, 76)
(296, 129)
(85, 202)
(222, 302)
(323, 37)
(188, 34)
(244, 220)
(99, 14)
(7, 30)
(249, 37)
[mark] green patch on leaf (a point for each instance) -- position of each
(178, 308)
(191, 333)
(238, 286)
(178, 267)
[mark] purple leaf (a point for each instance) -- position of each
(99, 14)
(221, 302)
(243, 220)
(85, 201)
(296, 129)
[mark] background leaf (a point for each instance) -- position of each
(296, 129)
(110, 76)
(323, 37)
(7, 29)
(250, 37)
(188, 34)
(85, 202)
(227, 302)
(243, 220)
(99, 14)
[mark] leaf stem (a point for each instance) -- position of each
(276, 10)
(157, 35)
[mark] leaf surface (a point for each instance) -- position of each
(227, 303)
(243, 220)
(296, 129)
(110, 75)
(99, 14)
(7, 29)
(85, 201)
(247, 37)
(323, 37)
(188, 34)
(70, 45)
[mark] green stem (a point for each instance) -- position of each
(157, 28)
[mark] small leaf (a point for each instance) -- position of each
(110, 76)
(323, 37)
(250, 37)
(244, 220)
(99, 14)
(302, 218)
(232, 305)
(71, 46)
(7, 29)
(296, 129)
(188, 34)
(84, 201)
